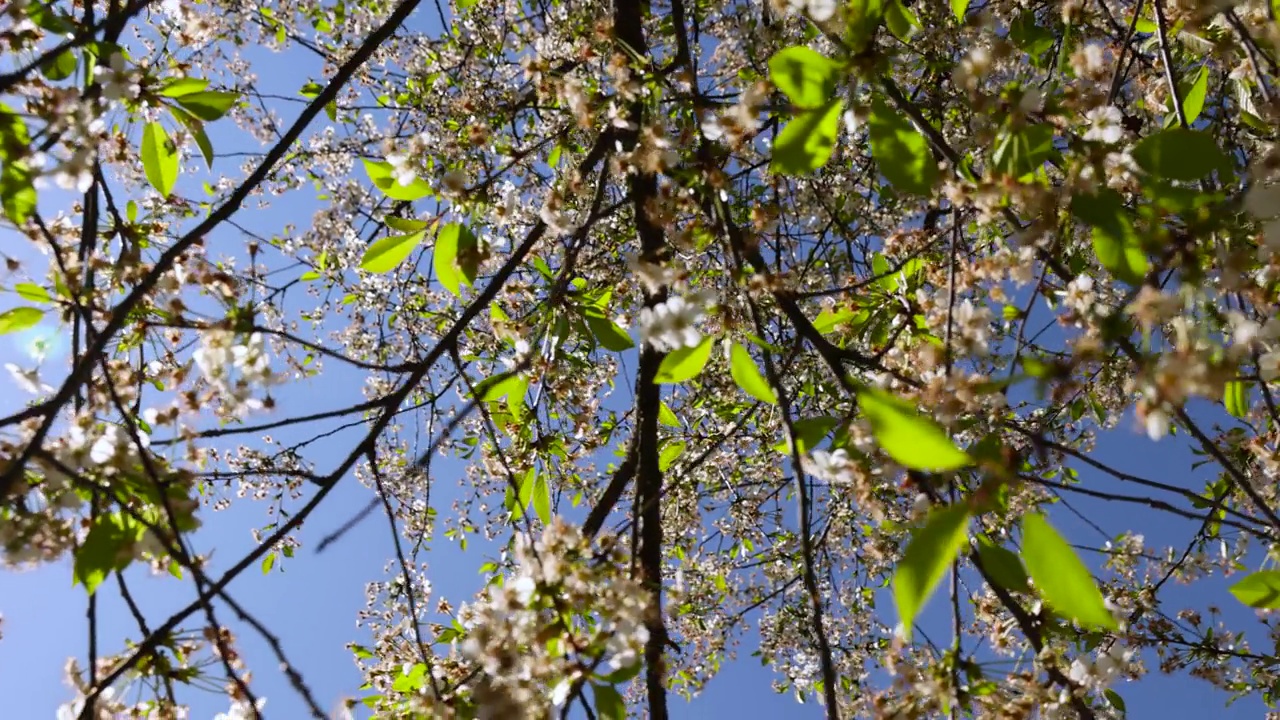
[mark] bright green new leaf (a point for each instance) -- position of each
(179, 86)
(748, 376)
(862, 19)
(666, 417)
(19, 319)
(1194, 93)
(808, 433)
(1179, 154)
(806, 77)
(1115, 242)
(1236, 397)
(684, 364)
(831, 318)
(454, 257)
(17, 191)
(542, 500)
(609, 334)
(806, 143)
(380, 176)
(208, 105)
(100, 554)
(670, 453)
(901, 152)
(32, 292)
(159, 158)
(196, 127)
(901, 21)
(268, 562)
(1002, 565)
(910, 438)
(959, 8)
(385, 254)
(496, 387)
(1023, 151)
(59, 67)
(527, 483)
(202, 142)
(405, 225)
(1259, 590)
(1061, 578)
(932, 549)
(609, 704)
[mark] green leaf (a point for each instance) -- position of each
(808, 433)
(1023, 151)
(159, 158)
(542, 500)
(747, 375)
(1193, 94)
(806, 77)
(609, 334)
(1061, 578)
(60, 67)
(385, 254)
(17, 191)
(103, 550)
(901, 21)
(196, 127)
(179, 86)
(911, 439)
(268, 562)
(405, 225)
(1116, 701)
(380, 176)
(455, 244)
(527, 484)
(806, 143)
(862, 19)
(609, 704)
(202, 141)
(1236, 397)
(1179, 154)
(34, 293)
(670, 453)
(1115, 242)
(901, 152)
(666, 417)
(1002, 565)
(829, 319)
(19, 319)
(208, 105)
(959, 8)
(684, 364)
(496, 387)
(1259, 590)
(932, 549)
(515, 397)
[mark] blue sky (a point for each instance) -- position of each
(311, 600)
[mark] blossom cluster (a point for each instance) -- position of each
(673, 323)
(560, 583)
(236, 366)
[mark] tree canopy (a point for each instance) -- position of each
(795, 330)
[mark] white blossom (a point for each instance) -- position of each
(671, 325)
(1104, 125)
(242, 710)
(402, 170)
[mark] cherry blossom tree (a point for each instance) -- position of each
(734, 313)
